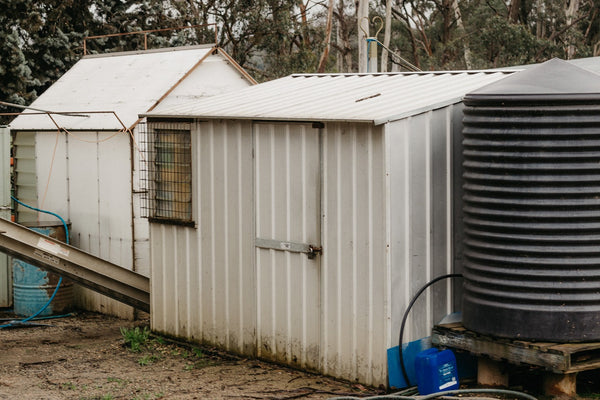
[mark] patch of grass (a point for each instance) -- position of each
(135, 338)
(147, 359)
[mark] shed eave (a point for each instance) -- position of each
(257, 118)
(417, 111)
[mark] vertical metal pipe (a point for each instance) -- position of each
(372, 55)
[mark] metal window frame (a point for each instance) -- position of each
(168, 172)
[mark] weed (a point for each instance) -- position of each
(68, 386)
(147, 359)
(107, 397)
(120, 382)
(199, 362)
(135, 338)
(159, 340)
(197, 352)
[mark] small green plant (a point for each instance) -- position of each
(197, 352)
(147, 359)
(120, 382)
(107, 397)
(199, 360)
(135, 338)
(68, 386)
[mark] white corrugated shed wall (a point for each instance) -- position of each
(5, 267)
(203, 279)
(421, 216)
(287, 204)
(354, 264)
(87, 180)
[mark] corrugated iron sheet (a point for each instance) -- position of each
(127, 83)
(212, 284)
(421, 165)
(287, 210)
(88, 186)
(203, 280)
(5, 273)
(354, 268)
(376, 98)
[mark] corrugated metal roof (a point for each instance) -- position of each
(376, 98)
(127, 83)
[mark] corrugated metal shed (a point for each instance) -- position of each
(127, 83)
(373, 181)
(376, 98)
(88, 173)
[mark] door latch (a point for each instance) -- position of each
(313, 251)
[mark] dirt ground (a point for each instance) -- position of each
(85, 357)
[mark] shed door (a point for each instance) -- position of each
(287, 190)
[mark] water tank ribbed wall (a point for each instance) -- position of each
(532, 205)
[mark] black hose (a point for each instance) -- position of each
(511, 393)
(410, 305)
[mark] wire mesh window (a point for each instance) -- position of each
(166, 172)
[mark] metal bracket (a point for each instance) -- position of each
(313, 251)
(310, 250)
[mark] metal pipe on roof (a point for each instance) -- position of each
(71, 114)
(145, 33)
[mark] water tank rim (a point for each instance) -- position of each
(530, 99)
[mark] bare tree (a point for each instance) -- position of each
(328, 27)
(362, 19)
(386, 35)
(342, 44)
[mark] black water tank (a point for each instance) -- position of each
(532, 205)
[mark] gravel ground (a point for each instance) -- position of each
(85, 357)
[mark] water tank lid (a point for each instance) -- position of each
(554, 78)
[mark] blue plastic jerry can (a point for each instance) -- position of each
(436, 371)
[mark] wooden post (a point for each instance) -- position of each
(491, 373)
(560, 385)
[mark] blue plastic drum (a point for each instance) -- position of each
(33, 286)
